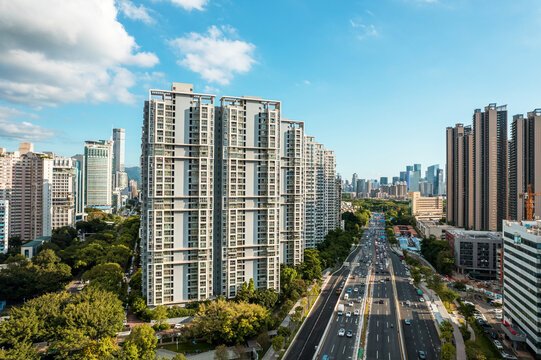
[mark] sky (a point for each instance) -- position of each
(377, 81)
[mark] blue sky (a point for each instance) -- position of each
(377, 81)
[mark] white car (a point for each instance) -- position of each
(499, 317)
(498, 345)
(348, 314)
(342, 332)
(509, 356)
(351, 303)
(356, 312)
(421, 299)
(356, 290)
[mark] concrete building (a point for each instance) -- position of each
(119, 149)
(476, 252)
(79, 161)
(177, 196)
(4, 226)
(525, 163)
(291, 191)
(384, 180)
(521, 290)
(460, 176)
(490, 167)
(428, 228)
(98, 174)
(248, 148)
(26, 181)
(31, 248)
(133, 193)
(426, 208)
(64, 190)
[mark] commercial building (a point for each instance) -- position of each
(228, 193)
(4, 226)
(521, 290)
(460, 176)
(64, 190)
(79, 161)
(490, 167)
(98, 174)
(525, 163)
(426, 208)
(476, 252)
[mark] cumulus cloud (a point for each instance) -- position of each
(23, 130)
(131, 11)
(213, 55)
(60, 51)
(190, 4)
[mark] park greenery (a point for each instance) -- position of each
(439, 254)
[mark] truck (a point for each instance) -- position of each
(340, 309)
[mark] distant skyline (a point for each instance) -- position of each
(375, 81)
(390, 177)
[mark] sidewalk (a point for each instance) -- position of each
(459, 340)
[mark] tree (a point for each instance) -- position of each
(284, 331)
(448, 351)
(264, 340)
(277, 343)
(136, 282)
(459, 285)
(446, 326)
(266, 297)
(105, 276)
(229, 322)
(246, 292)
(142, 343)
(160, 314)
(311, 267)
(222, 353)
(179, 357)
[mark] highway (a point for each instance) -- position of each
(383, 336)
(309, 336)
(421, 334)
(335, 345)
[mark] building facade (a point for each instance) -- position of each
(426, 208)
(98, 174)
(525, 163)
(4, 226)
(64, 191)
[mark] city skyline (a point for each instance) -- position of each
(57, 114)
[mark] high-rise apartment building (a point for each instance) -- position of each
(26, 181)
(79, 163)
(490, 167)
(4, 226)
(64, 190)
(291, 191)
(177, 191)
(460, 176)
(525, 163)
(119, 146)
(98, 174)
(249, 227)
(228, 193)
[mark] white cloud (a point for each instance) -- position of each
(210, 90)
(131, 11)
(214, 56)
(307, 82)
(190, 4)
(22, 131)
(61, 51)
(363, 31)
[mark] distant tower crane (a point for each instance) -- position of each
(528, 199)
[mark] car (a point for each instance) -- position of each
(353, 277)
(411, 282)
(421, 354)
(325, 357)
(356, 312)
(388, 279)
(342, 332)
(494, 335)
(499, 317)
(349, 333)
(407, 321)
(498, 345)
(179, 326)
(348, 314)
(349, 290)
(509, 356)
(408, 302)
(356, 290)
(381, 301)
(359, 299)
(421, 299)
(351, 303)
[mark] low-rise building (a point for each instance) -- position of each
(30, 249)
(428, 228)
(476, 252)
(426, 208)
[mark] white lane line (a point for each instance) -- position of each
(332, 349)
(344, 351)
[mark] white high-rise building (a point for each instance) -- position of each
(98, 174)
(177, 195)
(63, 191)
(4, 226)
(79, 163)
(292, 190)
(119, 149)
(521, 290)
(248, 148)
